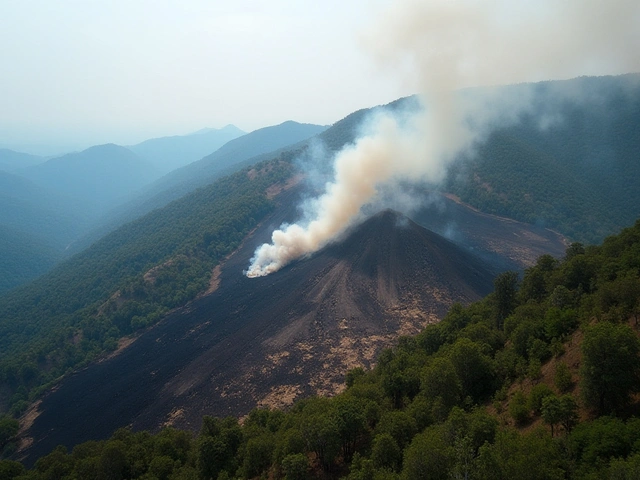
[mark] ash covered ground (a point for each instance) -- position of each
(268, 341)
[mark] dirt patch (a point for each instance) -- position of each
(173, 417)
(572, 357)
(152, 275)
(278, 188)
(26, 422)
(280, 397)
(214, 281)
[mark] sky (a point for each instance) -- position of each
(76, 73)
(81, 72)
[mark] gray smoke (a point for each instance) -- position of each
(443, 46)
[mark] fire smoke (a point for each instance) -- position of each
(443, 46)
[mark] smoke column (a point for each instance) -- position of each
(443, 46)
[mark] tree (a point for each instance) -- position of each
(385, 452)
(531, 456)
(560, 411)
(562, 377)
(257, 455)
(351, 423)
(10, 469)
(610, 368)
(538, 393)
(321, 434)
(400, 425)
(473, 368)
(295, 466)
(212, 456)
(505, 290)
(519, 408)
(8, 429)
(440, 380)
(428, 456)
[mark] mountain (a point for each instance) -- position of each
(259, 145)
(317, 317)
(23, 257)
(204, 171)
(269, 340)
(101, 175)
(170, 153)
(11, 160)
(571, 163)
(470, 396)
(136, 276)
(107, 291)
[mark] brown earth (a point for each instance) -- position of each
(268, 341)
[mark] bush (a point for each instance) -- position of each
(518, 408)
(295, 467)
(537, 395)
(562, 378)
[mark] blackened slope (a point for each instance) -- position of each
(268, 340)
(390, 247)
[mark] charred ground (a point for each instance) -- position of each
(267, 341)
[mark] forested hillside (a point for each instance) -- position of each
(434, 406)
(38, 211)
(23, 257)
(125, 282)
(221, 162)
(576, 173)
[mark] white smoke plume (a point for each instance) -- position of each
(443, 46)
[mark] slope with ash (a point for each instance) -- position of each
(267, 341)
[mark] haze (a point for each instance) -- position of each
(77, 73)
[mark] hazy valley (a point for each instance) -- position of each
(125, 302)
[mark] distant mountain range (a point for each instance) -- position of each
(169, 153)
(202, 172)
(60, 200)
(577, 173)
(11, 161)
(99, 175)
(248, 149)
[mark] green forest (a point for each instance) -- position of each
(125, 282)
(574, 175)
(539, 380)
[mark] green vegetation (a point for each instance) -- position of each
(434, 406)
(576, 175)
(23, 257)
(125, 282)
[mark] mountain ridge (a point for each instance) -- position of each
(175, 151)
(101, 175)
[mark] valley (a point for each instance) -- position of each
(272, 340)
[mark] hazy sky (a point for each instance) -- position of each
(74, 73)
(80, 72)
